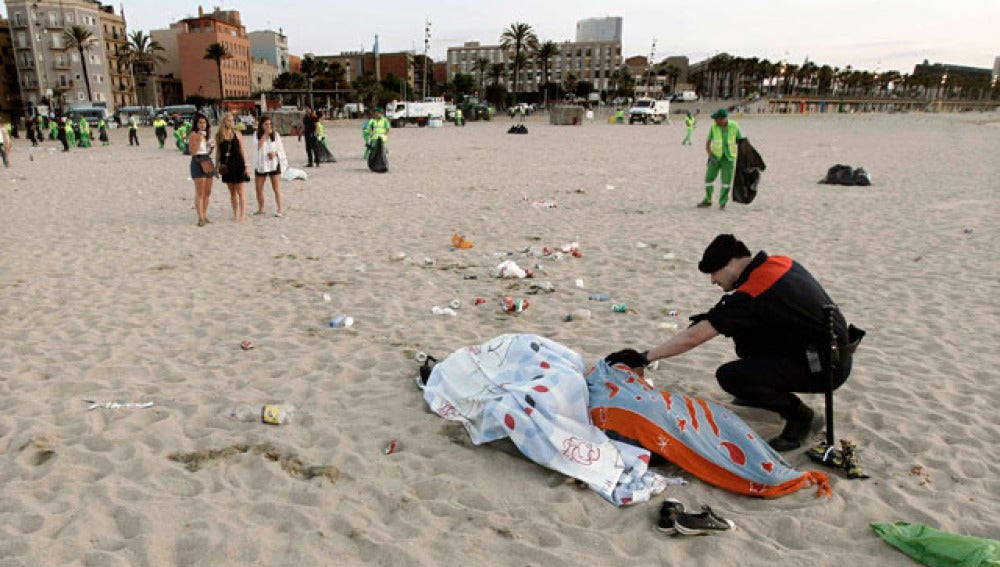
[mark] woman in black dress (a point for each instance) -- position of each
(234, 168)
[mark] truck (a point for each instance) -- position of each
(474, 108)
(401, 113)
(648, 110)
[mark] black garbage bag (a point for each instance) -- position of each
(841, 174)
(323, 153)
(746, 177)
(518, 129)
(377, 159)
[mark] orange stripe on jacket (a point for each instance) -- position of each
(766, 275)
(649, 435)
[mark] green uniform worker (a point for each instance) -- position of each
(620, 116)
(53, 130)
(722, 149)
(689, 123)
(377, 127)
(180, 135)
(102, 131)
(459, 119)
(84, 132)
(70, 134)
(160, 126)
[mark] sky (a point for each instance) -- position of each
(871, 35)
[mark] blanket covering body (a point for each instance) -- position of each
(532, 390)
(700, 436)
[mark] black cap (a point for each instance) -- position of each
(724, 248)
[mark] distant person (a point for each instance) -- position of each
(269, 162)
(31, 131)
(62, 133)
(133, 130)
(84, 132)
(377, 127)
(102, 131)
(70, 130)
(689, 124)
(309, 131)
(201, 144)
(722, 149)
(233, 165)
(773, 311)
(160, 126)
(5, 147)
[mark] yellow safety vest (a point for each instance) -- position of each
(378, 127)
(731, 129)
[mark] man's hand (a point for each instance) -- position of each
(712, 160)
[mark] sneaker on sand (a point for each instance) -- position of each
(668, 510)
(704, 204)
(707, 522)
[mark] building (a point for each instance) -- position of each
(358, 63)
(294, 64)
(352, 62)
(200, 76)
(264, 73)
(661, 79)
(52, 73)
(601, 30)
(10, 93)
(271, 46)
(939, 70)
(120, 76)
(593, 62)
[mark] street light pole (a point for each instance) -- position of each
(427, 44)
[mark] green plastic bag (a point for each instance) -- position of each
(940, 549)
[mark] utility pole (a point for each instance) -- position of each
(427, 45)
(649, 72)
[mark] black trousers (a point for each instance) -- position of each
(768, 381)
(133, 136)
(311, 141)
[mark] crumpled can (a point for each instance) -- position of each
(514, 305)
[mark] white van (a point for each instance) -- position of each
(647, 110)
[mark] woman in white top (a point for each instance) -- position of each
(200, 145)
(268, 164)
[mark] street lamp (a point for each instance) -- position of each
(944, 82)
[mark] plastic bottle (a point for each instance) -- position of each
(619, 308)
(578, 315)
(601, 297)
(341, 321)
(275, 414)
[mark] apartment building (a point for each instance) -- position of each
(49, 71)
(200, 76)
(264, 73)
(10, 92)
(594, 62)
(272, 46)
(115, 37)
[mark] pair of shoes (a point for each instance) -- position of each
(668, 513)
(309, 165)
(258, 213)
(797, 428)
(704, 204)
(722, 206)
(707, 522)
(201, 222)
(279, 215)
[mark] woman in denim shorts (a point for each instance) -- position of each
(200, 144)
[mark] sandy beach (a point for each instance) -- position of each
(110, 292)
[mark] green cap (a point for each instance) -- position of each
(721, 113)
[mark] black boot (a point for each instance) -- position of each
(798, 426)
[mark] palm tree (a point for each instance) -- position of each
(142, 54)
(546, 52)
(81, 39)
(497, 71)
(217, 52)
(311, 68)
(521, 37)
(483, 66)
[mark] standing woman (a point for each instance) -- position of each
(269, 163)
(201, 144)
(234, 167)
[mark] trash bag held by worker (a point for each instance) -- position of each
(749, 164)
(377, 159)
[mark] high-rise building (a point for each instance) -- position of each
(200, 76)
(50, 72)
(599, 30)
(272, 46)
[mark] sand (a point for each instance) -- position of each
(110, 292)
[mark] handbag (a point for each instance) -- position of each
(206, 166)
